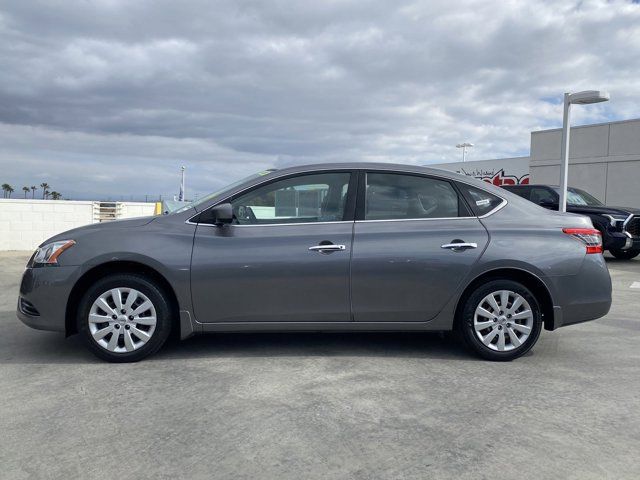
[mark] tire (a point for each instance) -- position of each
(624, 254)
(498, 344)
(138, 335)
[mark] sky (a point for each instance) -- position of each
(108, 98)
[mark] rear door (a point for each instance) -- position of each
(405, 262)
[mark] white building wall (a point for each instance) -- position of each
(603, 160)
(500, 171)
(25, 223)
(137, 209)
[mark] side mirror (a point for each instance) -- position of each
(222, 214)
(548, 204)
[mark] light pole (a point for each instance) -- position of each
(464, 147)
(181, 196)
(578, 98)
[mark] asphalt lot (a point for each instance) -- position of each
(330, 406)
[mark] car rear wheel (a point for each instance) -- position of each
(501, 320)
(124, 318)
(624, 254)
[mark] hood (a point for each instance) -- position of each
(603, 210)
(112, 225)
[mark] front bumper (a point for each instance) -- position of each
(46, 289)
(621, 241)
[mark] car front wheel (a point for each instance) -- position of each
(624, 254)
(501, 320)
(124, 318)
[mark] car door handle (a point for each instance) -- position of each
(459, 246)
(327, 248)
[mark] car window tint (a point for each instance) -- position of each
(539, 195)
(481, 201)
(520, 191)
(306, 198)
(391, 196)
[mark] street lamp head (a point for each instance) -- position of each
(463, 145)
(588, 96)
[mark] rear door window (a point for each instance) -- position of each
(393, 196)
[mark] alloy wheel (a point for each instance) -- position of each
(122, 320)
(503, 320)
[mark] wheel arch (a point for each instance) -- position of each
(528, 279)
(108, 268)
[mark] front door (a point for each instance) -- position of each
(284, 259)
(406, 264)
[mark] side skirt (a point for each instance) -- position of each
(320, 327)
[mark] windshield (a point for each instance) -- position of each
(579, 198)
(208, 197)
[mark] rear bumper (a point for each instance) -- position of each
(46, 289)
(582, 297)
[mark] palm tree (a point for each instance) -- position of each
(33, 191)
(25, 190)
(5, 189)
(55, 195)
(10, 191)
(45, 187)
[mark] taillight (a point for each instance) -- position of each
(591, 237)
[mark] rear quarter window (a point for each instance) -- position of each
(480, 201)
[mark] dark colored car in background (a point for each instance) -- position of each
(619, 226)
(342, 247)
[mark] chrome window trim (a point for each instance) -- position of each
(353, 170)
(271, 224)
(498, 207)
(414, 219)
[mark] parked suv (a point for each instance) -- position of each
(619, 226)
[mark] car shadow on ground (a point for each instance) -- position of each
(632, 265)
(326, 344)
(36, 347)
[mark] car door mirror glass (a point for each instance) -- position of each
(222, 214)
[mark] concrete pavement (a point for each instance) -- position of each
(324, 406)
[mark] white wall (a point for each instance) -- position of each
(25, 223)
(604, 160)
(137, 209)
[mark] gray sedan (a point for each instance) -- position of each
(358, 247)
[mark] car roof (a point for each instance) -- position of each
(391, 167)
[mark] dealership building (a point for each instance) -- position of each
(604, 160)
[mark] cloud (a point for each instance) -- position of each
(110, 97)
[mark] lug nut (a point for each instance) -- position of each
(127, 327)
(130, 317)
(508, 324)
(495, 319)
(123, 311)
(499, 327)
(115, 317)
(116, 326)
(509, 316)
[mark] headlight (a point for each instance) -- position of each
(616, 218)
(48, 254)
